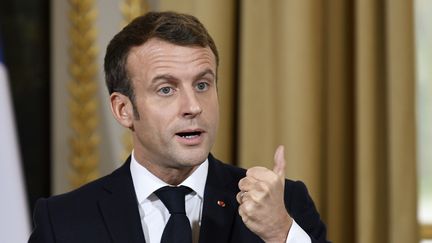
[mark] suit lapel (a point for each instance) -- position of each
(220, 206)
(120, 208)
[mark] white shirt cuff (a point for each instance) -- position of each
(297, 235)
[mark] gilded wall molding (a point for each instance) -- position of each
(83, 104)
(426, 231)
(130, 9)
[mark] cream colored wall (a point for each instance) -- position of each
(59, 75)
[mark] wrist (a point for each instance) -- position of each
(281, 234)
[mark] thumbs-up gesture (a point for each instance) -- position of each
(261, 199)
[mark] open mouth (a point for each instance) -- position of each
(189, 135)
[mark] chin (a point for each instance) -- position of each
(192, 158)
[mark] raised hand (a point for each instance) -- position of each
(261, 199)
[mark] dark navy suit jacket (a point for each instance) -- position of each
(106, 210)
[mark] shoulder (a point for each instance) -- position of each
(224, 170)
(219, 164)
(296, 194)
(301, 207)
(89, 193)
(77, 216)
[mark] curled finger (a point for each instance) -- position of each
(240, 196)
(247, 183)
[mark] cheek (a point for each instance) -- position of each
(157, 119)
(212, 108)
(215, 114)
(215, 105)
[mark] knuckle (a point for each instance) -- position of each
(263, 186)
(248, 207)
(260, 198)
(243, 183)
(240, 183)
(274, 179)
(254, 171)
(244, 217)
(251, 169)
(238, 198)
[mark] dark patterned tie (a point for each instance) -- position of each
(178, 229)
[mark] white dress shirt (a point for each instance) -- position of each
(154, 215)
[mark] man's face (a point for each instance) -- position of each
(176, 99)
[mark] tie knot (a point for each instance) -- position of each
(173, 198)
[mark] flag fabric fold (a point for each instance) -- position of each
(14, 216)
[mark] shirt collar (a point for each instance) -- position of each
(145, 183)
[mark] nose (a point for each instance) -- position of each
(191, 106)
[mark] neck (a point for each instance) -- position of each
(170, 175)
(173, 176)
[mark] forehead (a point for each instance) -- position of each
(160, 56)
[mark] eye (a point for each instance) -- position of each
(165, 91)
(202, 86)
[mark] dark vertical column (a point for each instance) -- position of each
(24, 29)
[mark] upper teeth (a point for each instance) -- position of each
(189, 136)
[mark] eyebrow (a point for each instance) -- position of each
(207, 71)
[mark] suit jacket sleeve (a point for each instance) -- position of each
(42, 232)
(302, 208)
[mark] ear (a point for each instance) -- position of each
(122, 109)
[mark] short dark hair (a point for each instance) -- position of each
(176, 28)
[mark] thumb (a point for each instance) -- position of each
(279, 162)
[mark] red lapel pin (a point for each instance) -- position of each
(221, 203)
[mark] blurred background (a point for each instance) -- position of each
(346, 86)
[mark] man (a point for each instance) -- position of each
(161, 73)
